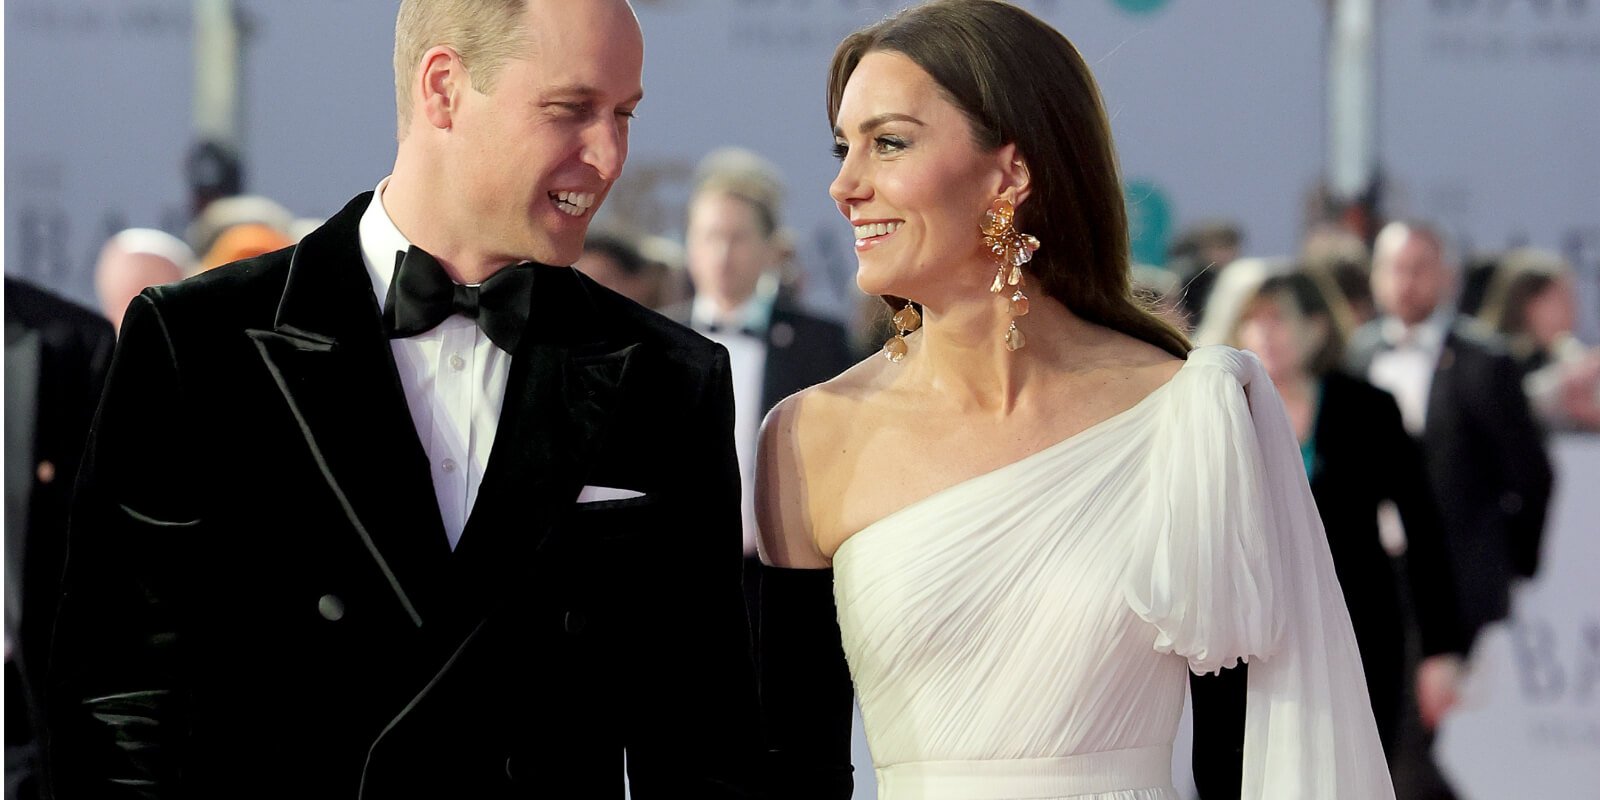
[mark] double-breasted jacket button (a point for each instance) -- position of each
(575, 622)
(330, 607)
(1510, 502)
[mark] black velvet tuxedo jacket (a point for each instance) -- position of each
(261, 601)
(1486, 464)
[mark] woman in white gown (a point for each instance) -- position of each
(1027, 524)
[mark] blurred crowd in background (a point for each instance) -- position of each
(1427, 379)
(1422, 382)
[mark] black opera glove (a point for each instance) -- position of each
(806, 694)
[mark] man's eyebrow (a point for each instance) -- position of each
(587, 92)
(873, 122)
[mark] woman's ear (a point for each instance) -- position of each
(1016, 181)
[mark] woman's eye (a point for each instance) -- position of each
(840, 150)
(889, 144)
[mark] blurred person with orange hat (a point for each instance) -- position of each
(244, 241)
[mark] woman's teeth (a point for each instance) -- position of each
(573, 203)
(876, 229)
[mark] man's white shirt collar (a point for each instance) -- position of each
(380, 240)
(1427, 335)
(752, 315)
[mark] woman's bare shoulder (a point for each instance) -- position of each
(822, 408)
(802, 441)
(1127, 368)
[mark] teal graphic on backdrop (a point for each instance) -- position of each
(1149, 221)
(1141, 6)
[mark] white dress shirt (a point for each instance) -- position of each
(743, 333)
(454, 379)
(1405, 369)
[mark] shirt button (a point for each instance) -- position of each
(448, 465)
(457, 363)
(331, 607)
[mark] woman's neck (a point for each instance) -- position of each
(961, 351)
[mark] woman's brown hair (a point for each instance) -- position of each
(1020, 81)
(1522, 275)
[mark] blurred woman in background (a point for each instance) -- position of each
(1357, 455)
(1532, 301)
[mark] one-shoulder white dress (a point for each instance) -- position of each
(1027, 633)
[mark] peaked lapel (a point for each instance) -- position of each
(329, 357)
(564, 381)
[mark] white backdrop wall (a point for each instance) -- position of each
(1216, 107)
(1489, 123)
(1529, 720)
(1488, 114)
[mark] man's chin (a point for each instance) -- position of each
(555, 252)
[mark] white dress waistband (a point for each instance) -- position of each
(1026, 778)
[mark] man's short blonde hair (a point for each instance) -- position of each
(483, 32)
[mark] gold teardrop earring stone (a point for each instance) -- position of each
(1019, 304)
(895, 349)
(1014, 338)
(1016, 275)
(907, 319)
(999, 281)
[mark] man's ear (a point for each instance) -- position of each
(440, 80)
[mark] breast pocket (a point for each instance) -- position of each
(627, 518)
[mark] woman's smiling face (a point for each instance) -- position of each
(912, 180)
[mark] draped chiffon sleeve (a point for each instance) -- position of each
(1232, 564)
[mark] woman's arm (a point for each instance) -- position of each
(804, 680)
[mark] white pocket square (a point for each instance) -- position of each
(596, 494)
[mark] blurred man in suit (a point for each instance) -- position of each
(1461, 395)
(735, 249)
(57, 354)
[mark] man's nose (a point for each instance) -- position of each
(605, 149)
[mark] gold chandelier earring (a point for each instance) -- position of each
(1010, 249)
(906, 320)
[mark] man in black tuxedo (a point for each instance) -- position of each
(389, 514)
(57, 354)
(1460, 394)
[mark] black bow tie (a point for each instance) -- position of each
(422, 295)
(744, 330)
